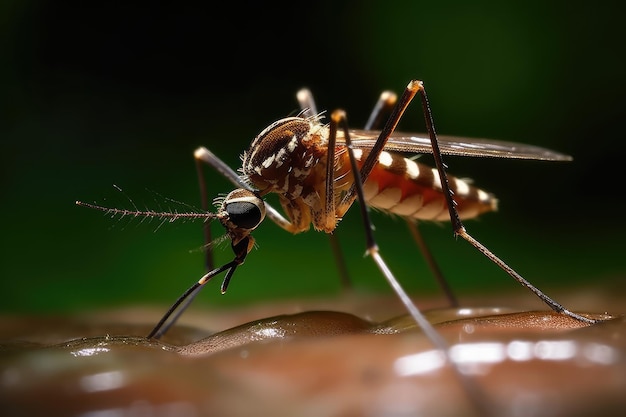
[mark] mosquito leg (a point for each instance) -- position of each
(383, 107)
(205, 156)
(309, 109)
(339, 120)
(307, 103)
(372, 159)
(431, 262)
(340, 262)
(209, 262)
(459, 229)
(206, 227)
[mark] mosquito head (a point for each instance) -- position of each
(241, 211)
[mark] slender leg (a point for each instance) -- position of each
(206, 227)
(203, 155)
(413, 88)
(473, 391)
(384, 107)
(372, 158)
(432, 263)
(307, 103)
(459, 229)
(181, 305)
(338, 119)
(309, 109)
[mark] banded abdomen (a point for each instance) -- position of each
(406, 188)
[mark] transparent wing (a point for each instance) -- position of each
(453, 145)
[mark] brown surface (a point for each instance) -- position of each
(313, 362)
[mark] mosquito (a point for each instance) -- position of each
(318, 170)
(294, 158)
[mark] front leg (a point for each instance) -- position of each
(203, 156)
(298, 213)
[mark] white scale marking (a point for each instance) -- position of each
(436, 179)
(268, 162)
(385, 159)
(412, 169)
(413, 206)
(483, 196)
(462, 188)
(293, 143)
(280, 156)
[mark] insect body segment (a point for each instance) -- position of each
(409, 189)
(289, 158)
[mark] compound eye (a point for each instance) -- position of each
(245, 210)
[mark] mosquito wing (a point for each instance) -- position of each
(453, 145)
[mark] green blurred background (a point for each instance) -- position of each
(96, 95)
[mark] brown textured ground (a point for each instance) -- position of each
(312, 359)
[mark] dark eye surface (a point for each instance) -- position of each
(244, 214)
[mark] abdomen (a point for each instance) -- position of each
(409, 189)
